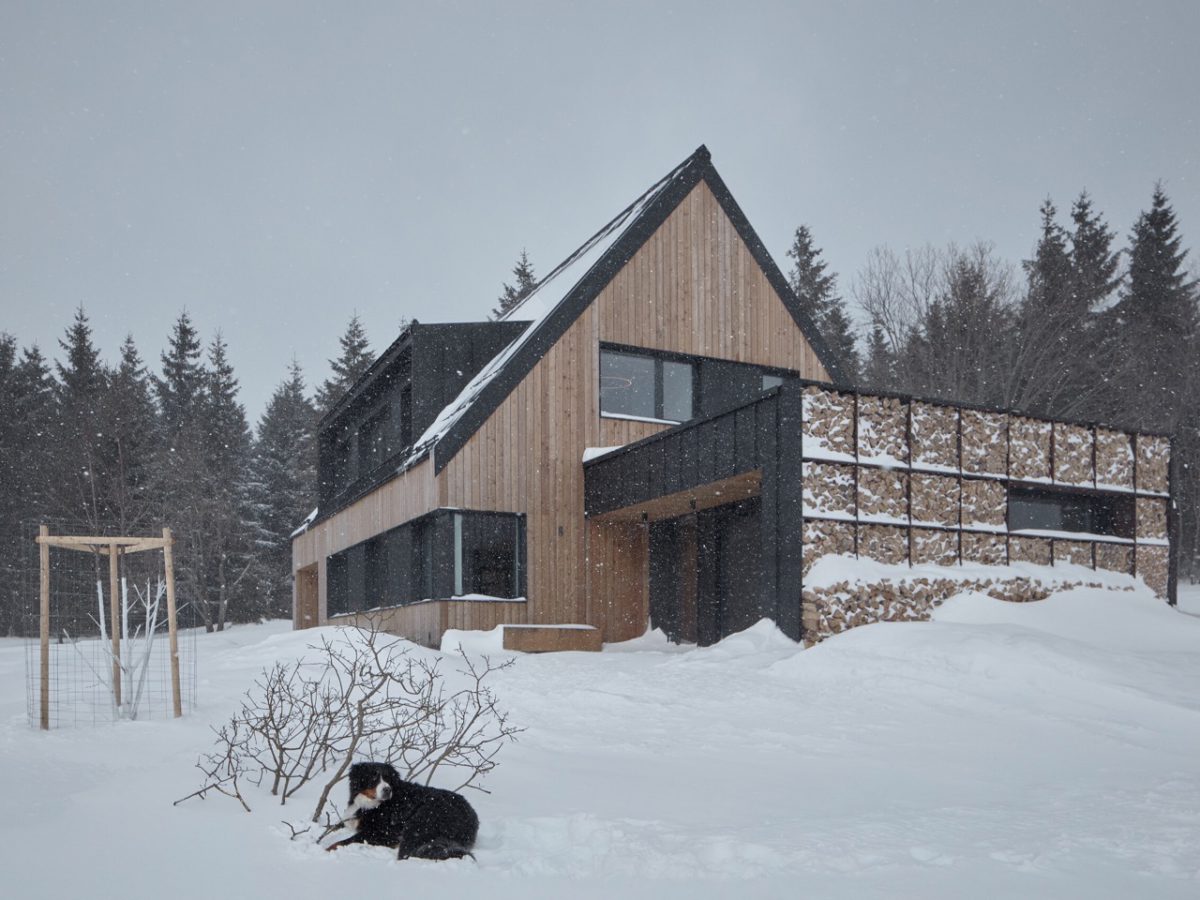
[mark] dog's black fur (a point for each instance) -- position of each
(417, 820)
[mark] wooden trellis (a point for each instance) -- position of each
(114, 548)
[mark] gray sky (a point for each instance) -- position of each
(273, 167)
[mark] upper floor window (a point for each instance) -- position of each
(645, 386)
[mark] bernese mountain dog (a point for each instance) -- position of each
(420, 821)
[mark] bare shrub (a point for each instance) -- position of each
(364, 694)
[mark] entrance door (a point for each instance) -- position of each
(739, 555)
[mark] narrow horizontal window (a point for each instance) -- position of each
(1039, 509)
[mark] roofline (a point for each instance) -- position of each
(678, 184)
(389, 355)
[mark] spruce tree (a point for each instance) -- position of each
(354, 360)
(1157, 317)
(132, 428)
(80, 490)
(284, 484)
(1051, 371)
(816, 291)
(228, 543)
(181, 386)
(511, 295)
(879, 367)
(28, 425)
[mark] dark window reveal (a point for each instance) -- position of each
(1051, 510)
(648, 387)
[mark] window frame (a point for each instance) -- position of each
(658, 358)
(1109, 515)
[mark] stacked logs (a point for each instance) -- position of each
(823, 537)
(1151, 518)
(830, 610)
(932, 545)
(1114, 459)
(882, 429)
(934, 435)
(882, 493)
(983, 503)
(828, 488)
(1029, 449)
(935, 499)
(1152, 567)
(1072, 454)
(828, 422)
(1152, 455)
(984, 442)
(883, 543)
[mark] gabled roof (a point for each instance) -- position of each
(562, 296)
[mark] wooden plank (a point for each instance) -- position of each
(114, 611)
(44, 626)
(551, 638)
(172, 620)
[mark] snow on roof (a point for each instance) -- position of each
(537, 306)
(303, 527)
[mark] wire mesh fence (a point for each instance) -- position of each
(108, 653)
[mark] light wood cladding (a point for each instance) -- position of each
(550, 639)
(618, 599)
(403, 498)
(425, 622)
(692, 288)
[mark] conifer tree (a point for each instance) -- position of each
(181, 386)
(512, 294)
(227, 540)
(354, 360)
(816, 290)
(80, 490)
(28, 426)
(1156, 321)
(879, 367)
(285, 484)
(131, 423)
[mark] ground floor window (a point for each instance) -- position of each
(1048, 509)
(447, 553)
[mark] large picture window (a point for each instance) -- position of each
(1044, 509)
(645, 386)
(445, 554)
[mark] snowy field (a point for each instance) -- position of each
(1040, 750)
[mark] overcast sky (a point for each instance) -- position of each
(273, 167)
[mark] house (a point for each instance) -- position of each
(658, 433)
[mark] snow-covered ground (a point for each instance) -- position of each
(1038, 750)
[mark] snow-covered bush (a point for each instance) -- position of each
(363, 695)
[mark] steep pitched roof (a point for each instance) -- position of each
(562, 296)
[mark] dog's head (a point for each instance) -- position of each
(370, 785)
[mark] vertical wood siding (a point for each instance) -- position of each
(693, 288)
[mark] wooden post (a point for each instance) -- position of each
(172, 629)
(114, 614)
(44, 551)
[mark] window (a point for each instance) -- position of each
(646, 387)
(489, 554)
(771, 381)
(446, 553)
(1051, 510)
